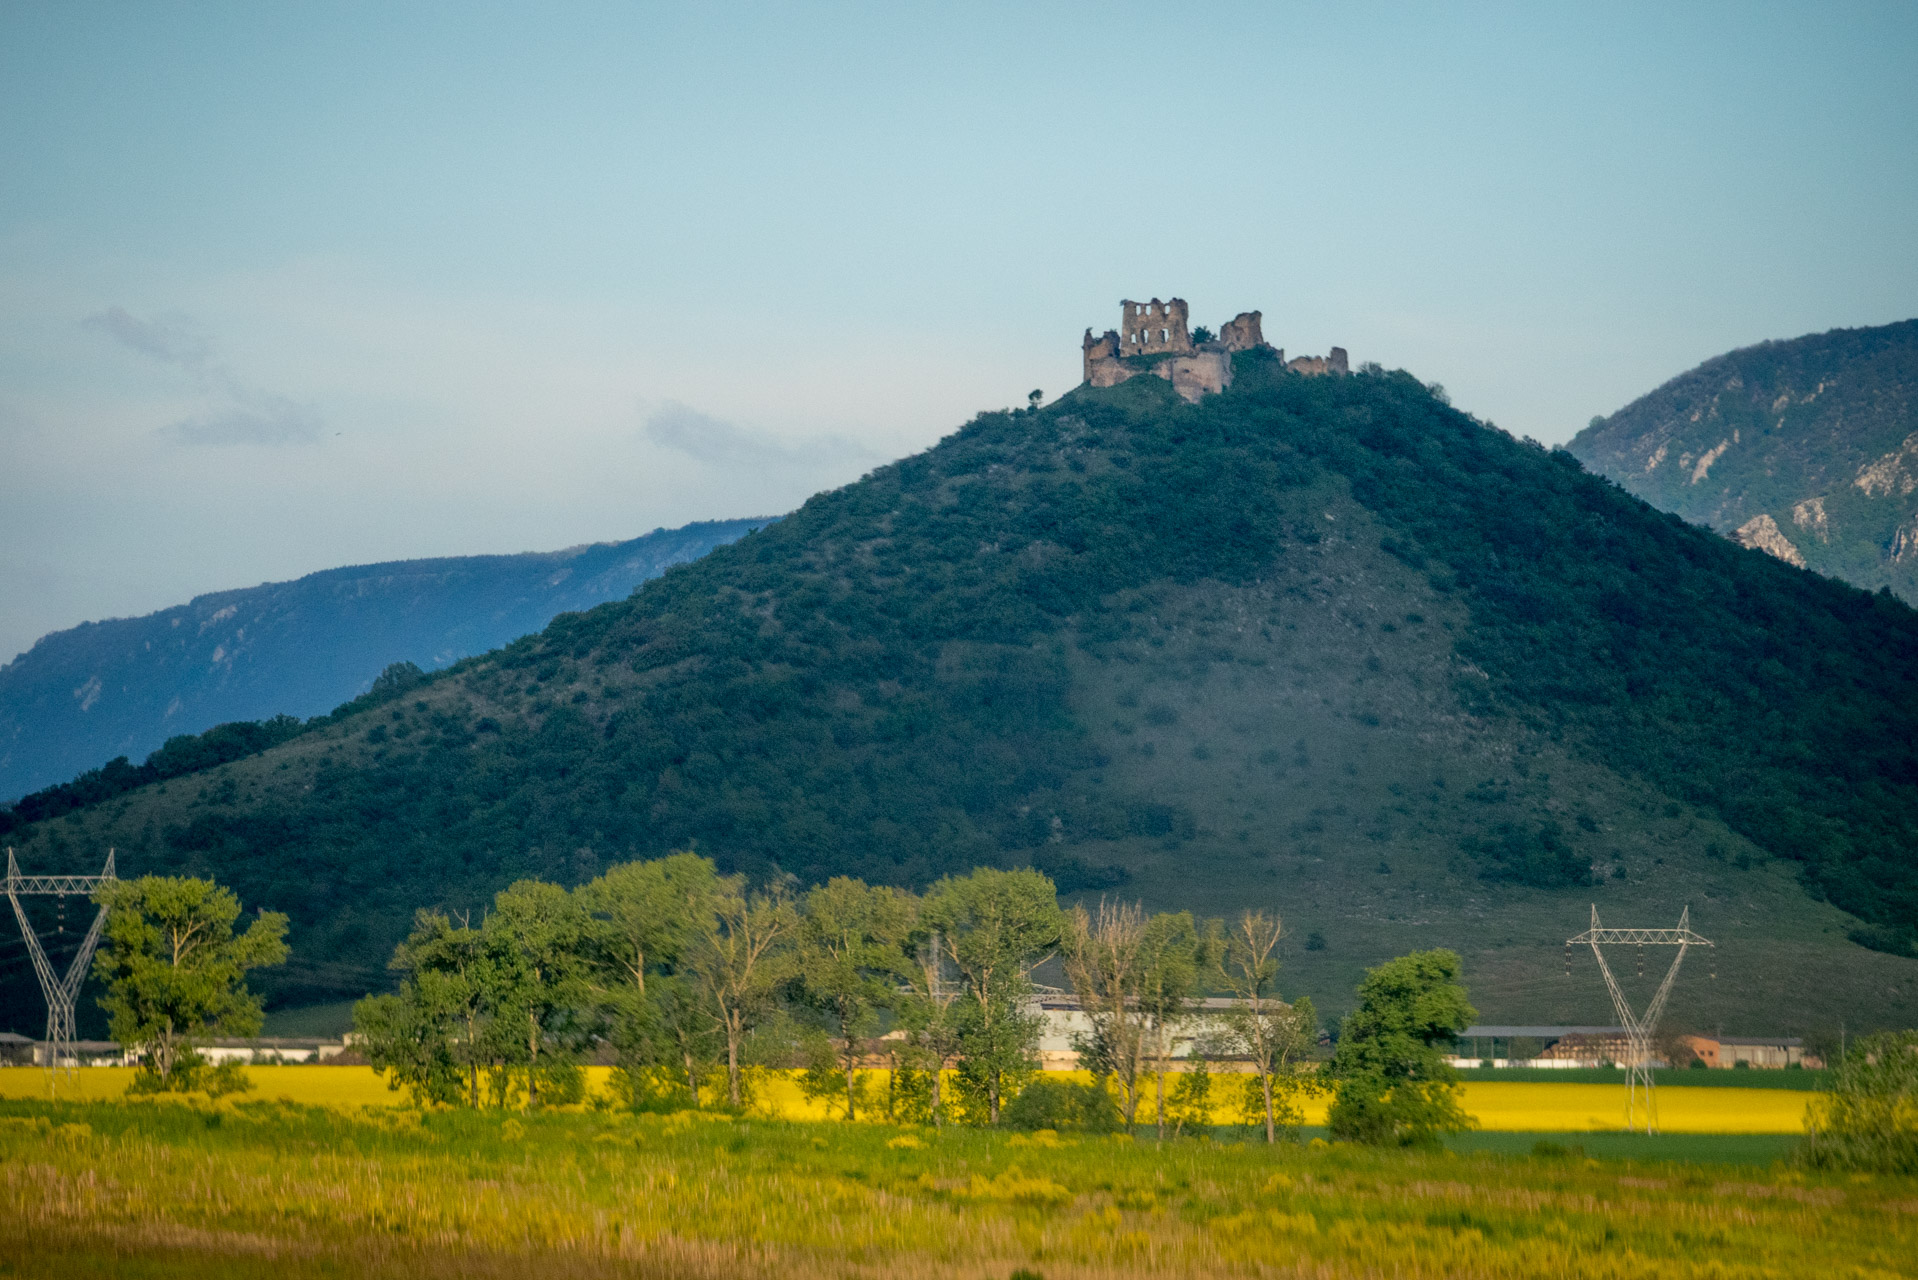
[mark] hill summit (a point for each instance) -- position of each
(1319, 643)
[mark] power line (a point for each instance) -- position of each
(61, 990)
(1639, 1028)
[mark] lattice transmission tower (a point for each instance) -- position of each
(61, 990)
(1639, 1098)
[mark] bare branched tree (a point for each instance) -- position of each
(740, 958)
(1105, 961)
(1270, 1032)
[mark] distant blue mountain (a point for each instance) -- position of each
(80, 697)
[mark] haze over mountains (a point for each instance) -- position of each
(1806, 449)
(82, 696)
(1320, 643)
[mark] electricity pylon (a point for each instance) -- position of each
(62, 992)
(1639, 1028)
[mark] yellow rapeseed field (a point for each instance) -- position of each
(1520, 1108)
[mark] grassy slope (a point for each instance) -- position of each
(1294, 647)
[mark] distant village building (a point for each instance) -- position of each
(1764, 1052)
(1563, 1047)
(1539, 1046)
(271, 1049)
(1154, 337)
(86, 1053)
(18, 1050)
(1064, 1022)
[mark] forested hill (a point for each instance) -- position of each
(1807, 449)
(1320, 643)
(80, 697)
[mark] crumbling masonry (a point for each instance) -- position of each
(1153, 337)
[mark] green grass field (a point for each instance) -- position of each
(1673, 1148)
(270, 1189)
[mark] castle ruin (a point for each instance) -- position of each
(1153, 337)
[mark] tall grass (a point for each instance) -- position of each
(264, 1188)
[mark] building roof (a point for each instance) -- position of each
(1776, 1042)
(1065, 1000)
(1536, 1033)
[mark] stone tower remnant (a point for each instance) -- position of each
(1148, 328)
(1242, 332)
(1153, 337)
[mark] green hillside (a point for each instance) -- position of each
(1323, 644)
(1807, 449)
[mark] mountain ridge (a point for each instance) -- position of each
(123, 686)
(1805, 448)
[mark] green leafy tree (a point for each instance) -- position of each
(1394, 1085)
(645, 914)
(995, 927)
(436, 1036)
(851, 959)
(685, 1030)
(535, 938)
(909, 1085)
(643, 918)
(175, 970)
(740, 958)
(1176, 955)
(930, 1014)
(1190, 1106)
(1868, 1119)
(1271, 1034)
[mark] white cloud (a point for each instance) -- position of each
(237, 412)
(175, 340)
(717, 442)
(274, 421)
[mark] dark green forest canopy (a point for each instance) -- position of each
(880, 684)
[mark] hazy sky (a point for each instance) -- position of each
(290, 286)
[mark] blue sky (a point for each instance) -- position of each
(285, 287)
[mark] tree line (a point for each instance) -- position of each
(692, 979)
(689, 976)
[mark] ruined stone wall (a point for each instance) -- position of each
(1334, 363)
(1207, 371)
(1242, 332)
(1148, 328)
(1099, 352)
